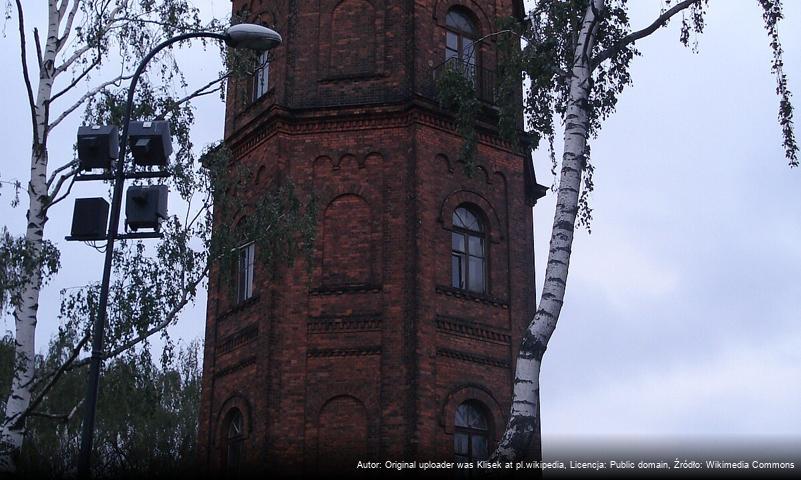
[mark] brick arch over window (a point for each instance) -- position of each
(353, 38)
(347, 241)
(475, 393)
(462, 197)
(343, 431)
(241, 403)
(479, 14)
(235, 404)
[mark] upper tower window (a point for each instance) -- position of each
(468, 257)
(460, 38)
(244, 271)
(261, 77)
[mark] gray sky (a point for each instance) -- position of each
(683, 306)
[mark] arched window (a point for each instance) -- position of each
(234, 440)
(261, 76)
(468, 253)
(471, 432)
(460, 40)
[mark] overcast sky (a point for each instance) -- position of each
(683, 307)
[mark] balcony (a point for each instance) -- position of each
(482, 79)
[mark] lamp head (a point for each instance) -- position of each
(254, 37)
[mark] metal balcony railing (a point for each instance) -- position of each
(483, 79)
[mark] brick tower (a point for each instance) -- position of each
(399, 342)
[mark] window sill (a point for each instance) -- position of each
(472, 296)
(345, 288)
(341, 77)
(239, 307)
(269, 94)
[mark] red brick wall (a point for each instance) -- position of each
(368, 353)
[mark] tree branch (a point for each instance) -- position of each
(63, 417)
(197, 93)
(86, 96)
(68, 25)
(71, 176)
(54, 376)
(25, 75)
(634, 36)
(75, 81)
(58, 170)
(79, 52)
(38, 43)
(156, 328)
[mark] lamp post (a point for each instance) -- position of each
(243, 35)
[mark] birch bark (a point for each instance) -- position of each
(12, 429)
(524, 418)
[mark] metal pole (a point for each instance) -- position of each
(87, 433)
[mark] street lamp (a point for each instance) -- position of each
(244, 35)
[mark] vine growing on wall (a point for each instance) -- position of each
(456, 92)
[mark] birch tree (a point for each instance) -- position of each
(576, 56)
(81, 63)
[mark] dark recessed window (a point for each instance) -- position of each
(244, 271)
(468, 252)
(460, 40)
(261, 77)
(234, 441)
(471, 433)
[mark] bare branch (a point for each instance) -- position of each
(54, 376)
(25, 74)
(62, 417)
(140, 19)
(156, 328)
(38, 44)
(67, 165)
(87, 96)
(633, 37)
(75, 81)
(77, 54)
(71, 176)
(75, 409)
(198, 93)
(68, 25)
(62, 9)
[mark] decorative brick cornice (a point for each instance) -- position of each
(350, 323)
(469, 357)
(466, 328)
(344, 352)
(236, 367)
(238, 339)
(354, 118)
(342, 289)
(464, 294)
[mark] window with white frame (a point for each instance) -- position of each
(261, 77)
(468, 255)
(471, 432)
(244, 278)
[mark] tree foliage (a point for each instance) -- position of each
(146, 423)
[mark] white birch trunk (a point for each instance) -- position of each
(12, 430)
(524, 420)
